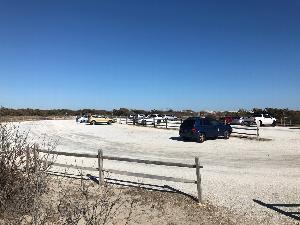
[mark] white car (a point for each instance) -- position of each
(264, 119)
(259, 119)
(82, 119)
(152, 118)
(236, 120)
(138, 118)
(169, 117)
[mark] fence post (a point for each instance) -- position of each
(100, 167)
(154, 121)
(257, 130)
(199, 190)
(81, 180)
(27, 159)
(126, 120)
(166, 124)
(35, 156)
(181, 121)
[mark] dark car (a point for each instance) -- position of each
(200, 129)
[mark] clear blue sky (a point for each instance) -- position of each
(158, 54)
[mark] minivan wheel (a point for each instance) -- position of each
(226, 135)
(201, 138)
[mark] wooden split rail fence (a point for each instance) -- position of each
(101, 168)
(158, 123)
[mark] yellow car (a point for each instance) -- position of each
(94, 119)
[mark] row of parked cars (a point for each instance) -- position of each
(192, 128)
(259, 119)
(138, 118)
(151, 118)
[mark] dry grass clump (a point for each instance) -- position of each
(22, 172)
(88, 203)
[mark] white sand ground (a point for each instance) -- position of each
(235, 172)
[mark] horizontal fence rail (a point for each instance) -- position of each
(101, 168)
(246, 129)
(120, 159)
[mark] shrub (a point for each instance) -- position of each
(22, 172)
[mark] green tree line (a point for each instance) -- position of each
(280, 114)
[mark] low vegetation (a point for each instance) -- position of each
(280, 114)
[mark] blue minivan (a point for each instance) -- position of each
(202, 128)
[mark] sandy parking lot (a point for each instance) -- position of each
(236, 171)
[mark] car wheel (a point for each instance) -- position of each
(274, 124)
(201, 138)
(260, 123)
(226, 135)
(109, 122)
(93, 122)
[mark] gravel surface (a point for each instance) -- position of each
(236, 171)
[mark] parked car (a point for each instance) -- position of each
(138, 118)
(157, 118)
(94, 119)
(236, 120)
(202, 128)
(260, 119)
(169, 117)
(226, 119)
(82, 119)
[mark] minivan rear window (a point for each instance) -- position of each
(189, 123)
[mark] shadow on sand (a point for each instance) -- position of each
(151, 187)
(189, 140)
(281, 208)
(125, 183)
